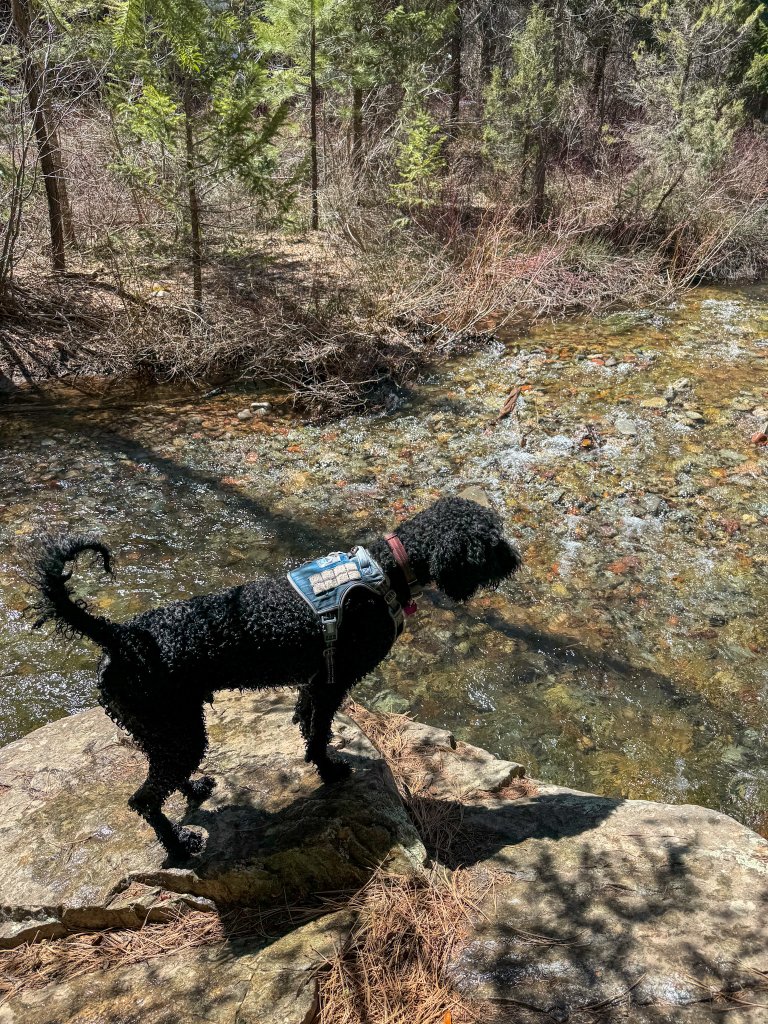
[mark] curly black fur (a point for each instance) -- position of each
(159, 668)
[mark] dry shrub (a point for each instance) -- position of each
(506, 271)
(394, 966)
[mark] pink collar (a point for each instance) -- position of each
(401, 557)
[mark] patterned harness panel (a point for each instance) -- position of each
(325, 583)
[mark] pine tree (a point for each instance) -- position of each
(35, 75)
(200, 86)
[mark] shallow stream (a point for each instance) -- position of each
(630, 656)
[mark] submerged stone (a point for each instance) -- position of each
(626, 426)
(654, 403)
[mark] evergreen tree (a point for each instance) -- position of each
(200, 87)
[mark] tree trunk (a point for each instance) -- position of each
(196, 248)
(315, 183)
(487, 54)
(357, 127)
(49, 152)
(598, 73)
(457, 45)
(539, 178)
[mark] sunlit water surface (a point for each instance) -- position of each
(630, 657)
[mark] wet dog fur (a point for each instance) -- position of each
(160, 668)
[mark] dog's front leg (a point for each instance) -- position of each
(302, 715)
(324, 702)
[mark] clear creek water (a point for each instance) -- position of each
(629, 657)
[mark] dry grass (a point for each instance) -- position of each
(36, 964)
(394, 967)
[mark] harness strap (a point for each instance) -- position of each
(325, 584)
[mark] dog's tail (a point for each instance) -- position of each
(50, 578)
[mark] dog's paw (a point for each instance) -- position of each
(199, 789)
(334, 771)
(187, 844)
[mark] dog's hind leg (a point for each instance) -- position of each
(197, 790)
(325, 702)
(172, 759)
(148, 800)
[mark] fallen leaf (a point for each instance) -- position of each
(510, 403)
(623, 565)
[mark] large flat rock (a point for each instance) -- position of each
(73, 855)
(597, 909)
(243, 982)
(652, 912)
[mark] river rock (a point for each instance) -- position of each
(626, 426)
(476, 494)
(244, 981)
(73, 855)
(457, 770)
(640, 908)
(654, 403)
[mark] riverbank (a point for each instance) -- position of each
(335, 325)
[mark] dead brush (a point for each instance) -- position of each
(36, 964)
(393, 969)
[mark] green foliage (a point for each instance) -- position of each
(638, 107)
(183, 25)
(219, 57)
(151, 115)
(419, 160)
(523, 107)
(692, 113)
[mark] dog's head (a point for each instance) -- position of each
(462, 547)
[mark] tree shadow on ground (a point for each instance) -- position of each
(299, 537)
(584, 927)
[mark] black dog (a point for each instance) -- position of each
(160, 667)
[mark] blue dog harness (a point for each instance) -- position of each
(325, 583)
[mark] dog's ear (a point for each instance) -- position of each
(461, 562)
